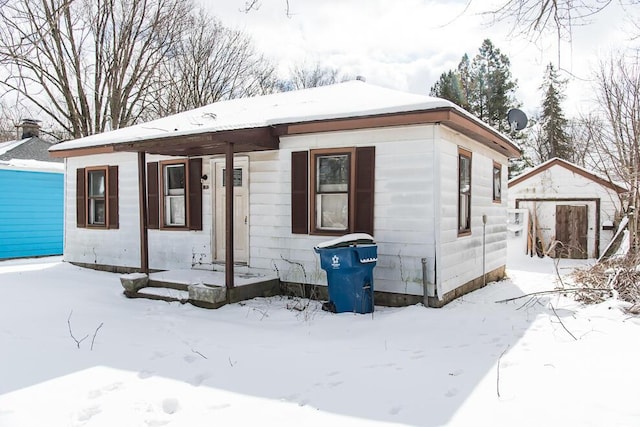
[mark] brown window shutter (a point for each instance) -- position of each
(195, 194)
(300, 192)
(364, 189)
(153, 196)
(113, 197)
(81, 201)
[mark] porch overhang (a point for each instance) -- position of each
(192, 145)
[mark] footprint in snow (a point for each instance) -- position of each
(451, 392)
(87, 413)
(170, 405)
(189, 358)
(143, 375)
(456, 372)
(199, 379)
(395, 410)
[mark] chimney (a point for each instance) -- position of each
(28, 128)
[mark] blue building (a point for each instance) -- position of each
(31, 197)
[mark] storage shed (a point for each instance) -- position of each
(567, 204)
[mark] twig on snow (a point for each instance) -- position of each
(94, 335)
(559, 320)
(71, 332)
(554, 291)
(198, 353)
(498, 371)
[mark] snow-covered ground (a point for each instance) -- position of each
(263, 362)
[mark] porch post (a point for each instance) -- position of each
(144, 235)
(229, 261)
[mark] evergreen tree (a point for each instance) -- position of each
(482, 86)
(449, 86)
(554, 137)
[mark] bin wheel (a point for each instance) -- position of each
(329, 306)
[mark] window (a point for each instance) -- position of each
(174, 194)
(97, 197)
(332, 178)
(97, 185)
(332, 191)
(175, 186)
(464, 191)
(497, 182)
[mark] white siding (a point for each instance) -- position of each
(403, 213)
(179, 249)
(558, 182)
(410, 216)
(120, 247)
(460, 258)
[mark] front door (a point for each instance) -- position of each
(240, 210)
(571, 230)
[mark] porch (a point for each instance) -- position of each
(202, 288)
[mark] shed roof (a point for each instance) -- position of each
(556, 161)
(256, 123)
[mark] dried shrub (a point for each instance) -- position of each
(620, 275)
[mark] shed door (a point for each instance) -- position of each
(571, 230)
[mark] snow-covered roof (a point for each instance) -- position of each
(344, 100)
(32, 165)
(10, 145)
(618, 187)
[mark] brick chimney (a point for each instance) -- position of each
(28, 128)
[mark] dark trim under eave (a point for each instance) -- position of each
(268, 137)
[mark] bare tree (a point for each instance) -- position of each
(88, 64)
(533, 17)
(303, 75)
(212, 63)
(615, 135)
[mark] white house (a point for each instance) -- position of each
(569, 204)
(419, 174)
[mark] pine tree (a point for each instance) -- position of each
(450, 87)
(555, 141)
(483, 86)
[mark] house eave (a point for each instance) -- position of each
(268, 137)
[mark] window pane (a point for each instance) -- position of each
(333, 173)
(175, 210)
(332, 211)
(97, 211)
(464, 190)
(497, 184)
(465, 174)
(96, 183)
(174, 179)
(237, 177)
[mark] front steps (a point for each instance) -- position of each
(197, 287)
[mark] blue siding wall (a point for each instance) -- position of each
(31, 213)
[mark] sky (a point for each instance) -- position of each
(407, 44)
(76, 352)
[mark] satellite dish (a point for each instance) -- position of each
(517, 119)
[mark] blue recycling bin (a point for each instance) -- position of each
(349, 263)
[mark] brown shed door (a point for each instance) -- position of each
(571, 230)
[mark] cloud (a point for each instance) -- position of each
(407, 45)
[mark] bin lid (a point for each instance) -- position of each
(347, 240)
